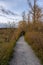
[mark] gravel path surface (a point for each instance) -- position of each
(23, 54)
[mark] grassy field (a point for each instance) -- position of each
(8, 38)
(34, 37)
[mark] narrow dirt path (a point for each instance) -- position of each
(23, 54)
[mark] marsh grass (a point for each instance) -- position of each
(6, 46)
(34, 37)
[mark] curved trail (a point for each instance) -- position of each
(23, 54)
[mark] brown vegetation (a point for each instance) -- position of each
(34, 37)
(8, 37)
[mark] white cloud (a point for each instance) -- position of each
(3, 19)
(3, 4)
(9, 5)
(7, 18)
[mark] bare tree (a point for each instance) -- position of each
(35, 10)
(28, 18)
(23, 15)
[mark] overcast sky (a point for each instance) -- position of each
(16, 6)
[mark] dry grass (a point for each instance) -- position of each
(8, 38)
(34, 37)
